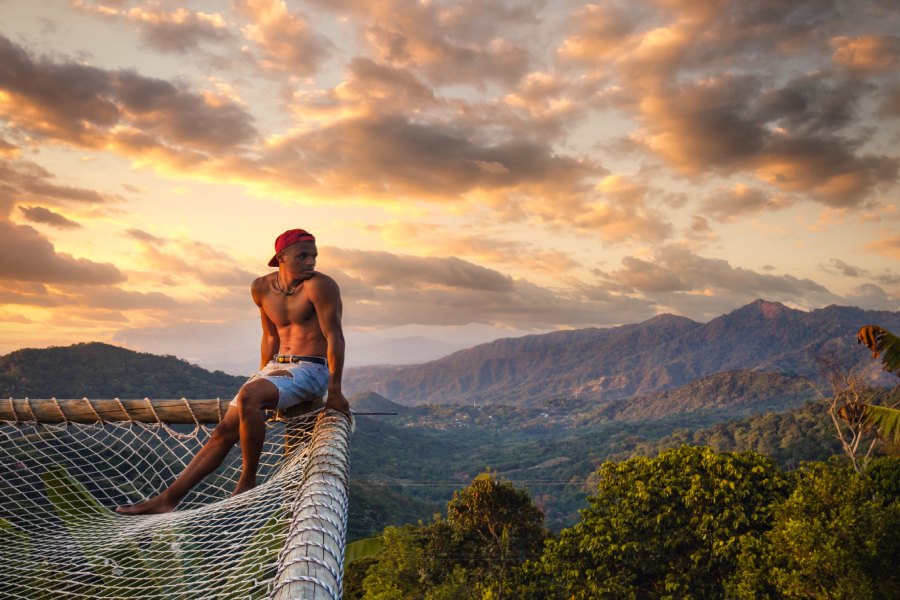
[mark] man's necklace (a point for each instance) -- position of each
(291, 288)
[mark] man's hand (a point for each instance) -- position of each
(336, 401)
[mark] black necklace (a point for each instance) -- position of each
(291, 288)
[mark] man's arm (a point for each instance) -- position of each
(326, 298)
(271, 341)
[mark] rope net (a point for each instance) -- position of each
(60, 537)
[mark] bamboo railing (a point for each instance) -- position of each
(83, 410)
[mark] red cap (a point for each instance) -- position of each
(289, 238)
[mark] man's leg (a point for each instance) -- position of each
(244, 422)
(253, 400)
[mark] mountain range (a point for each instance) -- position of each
(662, 353)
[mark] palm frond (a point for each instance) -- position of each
(885, 420)
(881, 342)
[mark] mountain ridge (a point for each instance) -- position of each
(619, 362)
(100, 370)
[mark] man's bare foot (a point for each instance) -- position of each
(240, 488)
(154, 506)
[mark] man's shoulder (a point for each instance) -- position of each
(261, 284)
(320, 282)
(320, 278)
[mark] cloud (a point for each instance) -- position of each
(39, 214)
(111, 298)
(383, 269)
(475, 244)
(8, 149)
(27, 256)
(29, 293)
(599, 32)
(700, 231)
(370, 88)
(177, 31)
(424, 160)
(675, 272)
(455, 44)
(697, 80)
(143, 236)
(185, 259)
(621, 213)
(867, 52)
(835, 265)
(873, 297)
(87, 106)
(287, 42)
(23, 179)
(838, 266)
(741, 200)
(381, 289)
(888, 246)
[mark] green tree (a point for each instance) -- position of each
(666, 527)
(835, 537)
(395, 574)
(491, 528)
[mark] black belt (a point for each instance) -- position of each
(295, 358)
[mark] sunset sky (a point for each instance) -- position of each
(471, 169)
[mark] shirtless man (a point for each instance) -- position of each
(302, 357)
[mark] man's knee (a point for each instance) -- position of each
(257, 396)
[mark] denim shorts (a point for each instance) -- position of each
(307, 381)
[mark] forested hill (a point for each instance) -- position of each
(98, 370)
(607, 364)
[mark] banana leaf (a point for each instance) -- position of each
(885, 420)
(881, 342)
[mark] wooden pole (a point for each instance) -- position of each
(311, 564)
(172, 411)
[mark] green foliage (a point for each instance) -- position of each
(666, 527)
(438, 448)
(491, 528)
(395, 575)
(834, 537)
(885, 420)
(789, 437)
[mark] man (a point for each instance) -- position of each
(302, 357)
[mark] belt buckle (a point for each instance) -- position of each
(282, 359)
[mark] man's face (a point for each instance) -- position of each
(300, 259)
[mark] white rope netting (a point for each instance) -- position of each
(60, 538)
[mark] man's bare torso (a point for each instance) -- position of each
(293, 316)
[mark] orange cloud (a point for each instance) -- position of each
(867, 52)
(287, 42)
(888, 246)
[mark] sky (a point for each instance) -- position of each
(471, 170)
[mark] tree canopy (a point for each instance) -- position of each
(661, 527)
